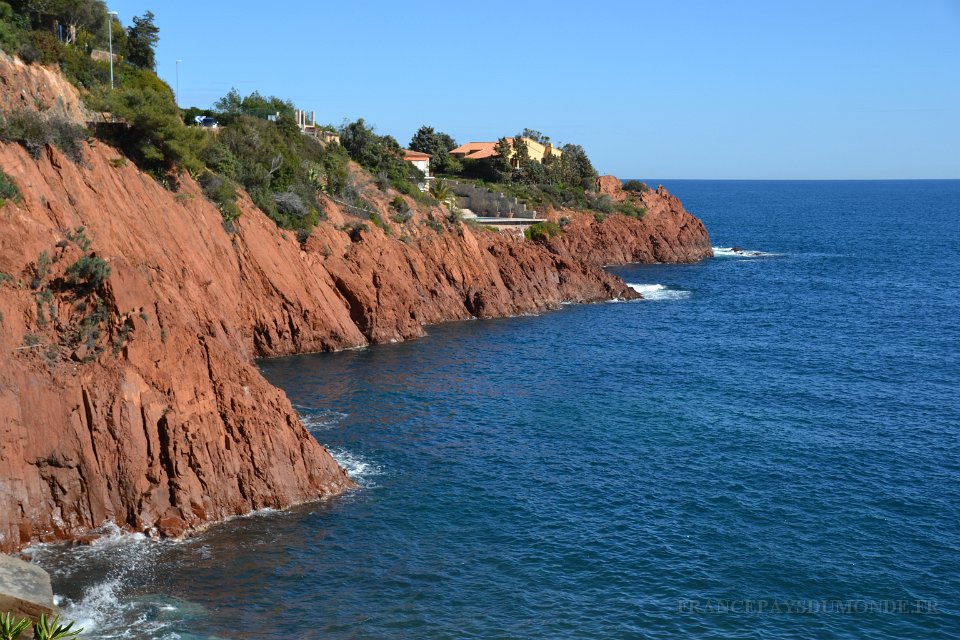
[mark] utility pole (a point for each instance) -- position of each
(110, 16)
(176, 98)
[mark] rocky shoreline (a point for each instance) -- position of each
(135, 400)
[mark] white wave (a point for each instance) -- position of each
(98, 606)
(737, 252)
(658, 292)
(107, 608)
(360, 470)
(105, 611)
(319, 419)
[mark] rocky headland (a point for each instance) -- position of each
(136, 400)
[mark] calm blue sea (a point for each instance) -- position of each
(767, 447)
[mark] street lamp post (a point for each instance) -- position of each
(110, 38)
(177, 97)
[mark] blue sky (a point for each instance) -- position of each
(844, 89)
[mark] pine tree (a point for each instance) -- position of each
(142, 37)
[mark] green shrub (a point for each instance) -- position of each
(41, 269)
(73, 61)
(35, 132)
(89, 272)
(222, 191)
(630, 210)
(11, 25)
(603, 204)
(356, 203)
(635, 185)
(43, 47)
(8, 189)
(599, 217)
(273, 159)
(541, 231)
(10, 628)
(403, 213)
(79, 238)
(378, 154)
(219, 159)
(155, 139)
(89, 330)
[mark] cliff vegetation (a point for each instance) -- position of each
(145, 264)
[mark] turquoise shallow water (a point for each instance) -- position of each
(766, 447)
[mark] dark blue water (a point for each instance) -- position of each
(767, 448)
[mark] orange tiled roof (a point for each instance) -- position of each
(415, 155)
(477, 150)
(480, 154)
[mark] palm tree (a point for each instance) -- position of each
(444, 193)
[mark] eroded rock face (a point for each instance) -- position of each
(155, 418)
(665, 233)
(392, 289)
(136, 402)
(25, 87)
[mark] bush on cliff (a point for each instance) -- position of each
(603, 204)
(378, 153)
(25, 30)
(635, 186)
(542, 231)
(281, 168)
(222, 191)
(8, 189)
(156, 138)
(630, 210)
(35, 132)
(88, 273)
(402, 209)
(75, 63)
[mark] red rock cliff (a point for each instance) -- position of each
(665, 233)
(136, 400)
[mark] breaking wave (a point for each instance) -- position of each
(658, 292)
(737, 252)
(110, 607)
(360, 469)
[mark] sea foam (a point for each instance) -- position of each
(360, 469)
(730, 252)
(320, 419)
(658, 292)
